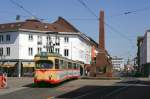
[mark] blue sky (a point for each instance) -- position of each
(130, 26)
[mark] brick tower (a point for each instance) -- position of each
(101, 31)
(103, 63)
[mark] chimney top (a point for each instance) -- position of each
(101, 31)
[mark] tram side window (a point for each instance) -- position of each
(56, 63)
(62, 64)
(78, 66)
(65, 65)
(74, 66)
(69, 65)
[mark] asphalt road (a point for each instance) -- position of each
(128, 88)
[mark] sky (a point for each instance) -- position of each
(120, 41)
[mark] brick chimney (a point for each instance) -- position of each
(103, 63)
(101, 57)
(101, 32)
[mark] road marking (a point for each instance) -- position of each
(50, 97)
(65, 88)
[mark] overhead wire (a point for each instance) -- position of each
(23, 8)
(88, 8)
(131, 11)
(108, 25)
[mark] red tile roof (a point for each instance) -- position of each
(61, 25)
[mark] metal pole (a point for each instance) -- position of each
(71, 50)
(19, 68)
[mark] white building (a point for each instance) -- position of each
(118, 63)
(145, 54)
(20, 41)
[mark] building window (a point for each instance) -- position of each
(66, 52)
(39, 37)
(8, 51)
(1, 38)
(48, 38)
(1, 51)
(57, 44)
(57, 50)
(49, 42)
(30, 51)
(57, 41)
(39, 49)
(66, 39)
(30, 37)
(8, 37)
(49, 50)
(39, 41)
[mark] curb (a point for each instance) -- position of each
(102, 78)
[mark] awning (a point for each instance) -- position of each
(8, 64)
(28, 64)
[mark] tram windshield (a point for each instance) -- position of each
(44, 64)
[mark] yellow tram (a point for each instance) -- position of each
(53, 68)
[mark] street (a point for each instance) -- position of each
(127, 88)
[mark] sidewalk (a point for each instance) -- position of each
(144, 79)
(15, 83)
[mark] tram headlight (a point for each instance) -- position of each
(35, 77)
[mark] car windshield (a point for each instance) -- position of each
(44, 64)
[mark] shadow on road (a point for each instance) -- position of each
(136, 82)
(90, 92)
(108, 92)
(46, 85)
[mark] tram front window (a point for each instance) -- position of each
(44, 64)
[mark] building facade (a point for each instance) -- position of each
(118, 63)
(145, 54)
(20, 41)
(139, 43)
